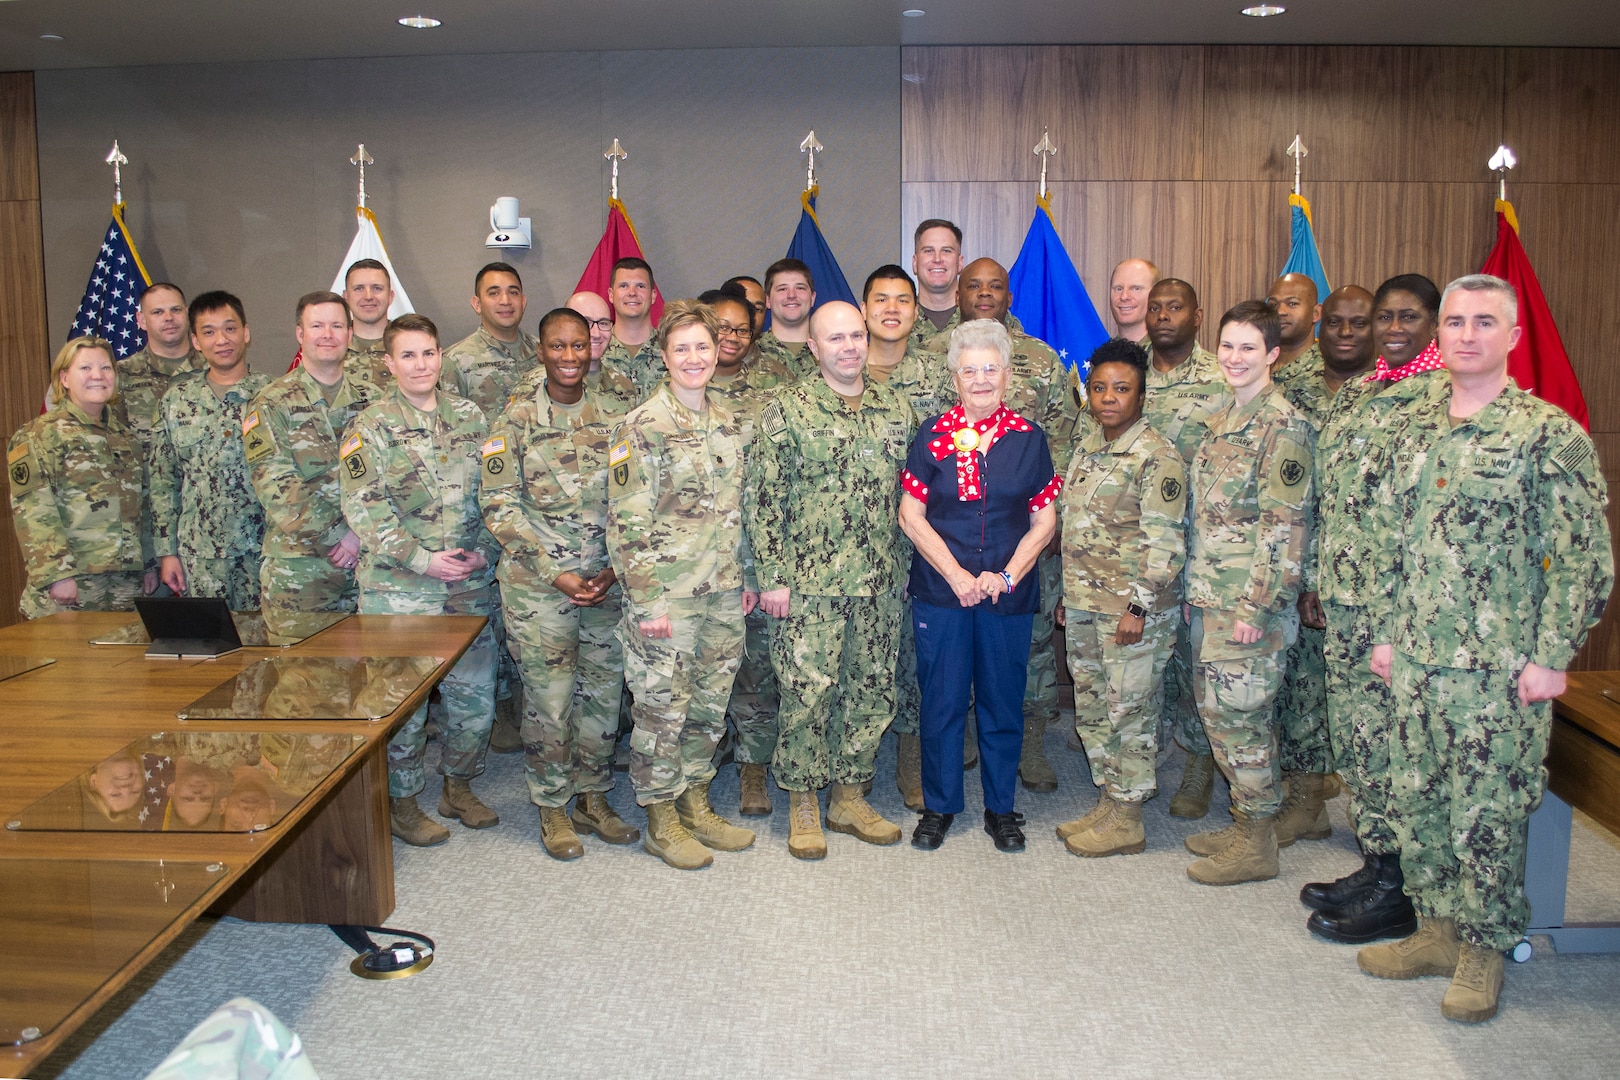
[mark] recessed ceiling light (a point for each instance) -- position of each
(914, 13)
(420, 22)
(1263, 11)
(50, 37)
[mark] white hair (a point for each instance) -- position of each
(980, 334)
(1487, 283)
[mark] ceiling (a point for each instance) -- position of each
(111, 33)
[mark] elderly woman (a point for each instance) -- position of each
(78, 486)
(979, 507)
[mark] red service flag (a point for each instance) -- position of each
(618, 242)
(1538, 363)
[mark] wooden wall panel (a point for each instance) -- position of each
(1365, 113)
(24, 343)
(1115, 112)
(1558, 114)
(1368, 231)
(1245, 242)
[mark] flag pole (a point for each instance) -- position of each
(1297, 151)
(362, 159)
(810, 146)
(615, 154)
(115, 157)
(1043, 150)
(1500, 163)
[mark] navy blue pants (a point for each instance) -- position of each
(962, 651)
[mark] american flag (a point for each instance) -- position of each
(114, 294)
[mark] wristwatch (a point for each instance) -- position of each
(1136, 609)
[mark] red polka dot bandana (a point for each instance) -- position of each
(1427, 360)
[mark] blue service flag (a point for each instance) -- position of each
(1050, 299)
(1303, 258)
(113, 295)
(810, 248)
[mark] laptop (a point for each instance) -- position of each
(188, 628)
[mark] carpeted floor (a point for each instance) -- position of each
(883, 962)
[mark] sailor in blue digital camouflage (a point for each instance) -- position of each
(1041, 390)
(144, 376)
(1302, 735)
(1495, 561)
(290, 439)
(823, 516)
(410, 492)
(790, 296)
(632, 349)
(743, 381)
(675, 488)
(207, 525)
(545, 499)
(368, 289)
(78, 493)
(1249, 503)
(1124, 505)
(1185, 388)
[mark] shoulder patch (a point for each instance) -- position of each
(350, 445)
(497, 445)
(620, 452)
(1574, 454)
(622, 478)
(257, 439)
(772, 422)
(21, 468)
(498, 471)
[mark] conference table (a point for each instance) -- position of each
(84, 909)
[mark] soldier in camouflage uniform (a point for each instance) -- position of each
(544, 497)
(78, 493)
(207, 525)
(823, 517)
(1128, 287)
(369, 291)
(1124, 546)
(1302, 735)
(1351, 460)
(632, 350)
(675, 489)
(743, 381)
(486, 367)
(1494, 564)
(936, 259)
(240, 1040)
(1040, 390)
(890, 305)
(1184, 389)
(290, 439)
(410, 492)
(790, 296)
(169, 355)
(1250, 486)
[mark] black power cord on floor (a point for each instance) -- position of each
(396, 961)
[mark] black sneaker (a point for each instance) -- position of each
(1007, 830)
(931, 829)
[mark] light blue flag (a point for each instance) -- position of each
(810, 247)
(1049, 297)
(1303, 258)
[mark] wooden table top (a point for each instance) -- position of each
(1585, 705)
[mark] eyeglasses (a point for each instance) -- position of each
(727, 330)
(989, 371)
(600, 324)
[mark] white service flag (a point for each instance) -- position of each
(368, 244)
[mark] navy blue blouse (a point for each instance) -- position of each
(1016, 478)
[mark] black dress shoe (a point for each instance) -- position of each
(1322, 895)
(931, 829)
(1384, 911)
(1007, 830)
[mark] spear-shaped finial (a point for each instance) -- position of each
(616, 154)
(1044, 149)
(1297, 151)
(115, 157)
(810, 145)
(362, 159)
(1500, 163)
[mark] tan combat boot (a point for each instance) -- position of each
(1191, 799)
(1433, 950)
(849, 812)
(557, 834)
(1471, 997)
(668, 839)
(1304, 813)
(592, 814)
(908, 771)
(752, 798)
(1251, 856)
(1091, 817)
(1119, 832)
(406, 821)
(805, 838)
(1034, 770)
(1211, 843)
(707, 827)
(505, 736)
(458, 801)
